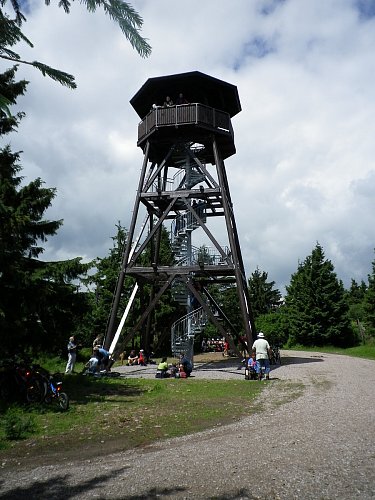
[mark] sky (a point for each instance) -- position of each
(304, 171)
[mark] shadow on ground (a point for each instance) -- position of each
(59, 487)
(296, 360)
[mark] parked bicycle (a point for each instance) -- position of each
(56, 394)
(52, 388)
(275, 357)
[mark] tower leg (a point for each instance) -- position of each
(242, 290)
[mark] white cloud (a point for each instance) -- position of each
(304, 168)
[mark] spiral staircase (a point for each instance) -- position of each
(184, 330)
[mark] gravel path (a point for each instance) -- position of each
(318, 446)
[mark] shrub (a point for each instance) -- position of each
(18, 425)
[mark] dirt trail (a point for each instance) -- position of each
(319, 446)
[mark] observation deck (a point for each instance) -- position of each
(211, 104)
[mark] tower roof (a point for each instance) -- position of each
(195, 86)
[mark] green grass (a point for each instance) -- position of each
(124, 413)
(362, 351)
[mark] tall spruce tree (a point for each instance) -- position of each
(10, 90)
(264, 297)
(355, 298)
(38, 300)
(315, 303)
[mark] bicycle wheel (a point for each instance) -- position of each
(63, 401)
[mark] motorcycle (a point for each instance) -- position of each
(18, 381)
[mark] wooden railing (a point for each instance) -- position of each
(185, 114)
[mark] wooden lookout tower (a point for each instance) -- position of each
(183, 187)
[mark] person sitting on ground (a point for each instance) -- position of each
(92, 365)
(141, 358)
(181, 371)
(186, 363)
(132, 358)
(162, 369)
(172, 370)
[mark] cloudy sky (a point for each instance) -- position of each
(305, 164)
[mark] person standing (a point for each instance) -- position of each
(262, 351)
(98, 341)
(181, 99)
(72, 355)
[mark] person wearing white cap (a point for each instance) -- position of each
(262, 351)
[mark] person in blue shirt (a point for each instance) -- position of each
(187, 364)
(103, 357)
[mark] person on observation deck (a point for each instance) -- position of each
(181, 99)
(168, 102)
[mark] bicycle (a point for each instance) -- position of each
(55, 393)
(275, 357)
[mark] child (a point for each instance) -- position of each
(182, 371)
(141, 358)
(161, 371)
(226, 348)
(254, 367)
(172, 370)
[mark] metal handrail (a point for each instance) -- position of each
(183, 332)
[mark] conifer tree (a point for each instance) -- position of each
(101, 285)
(316, 308)
(263, 297)
(370, 302)
(10, 91)
(38, 300)
(129, 21)
(355, 298)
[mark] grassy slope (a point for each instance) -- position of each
(119, 414)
